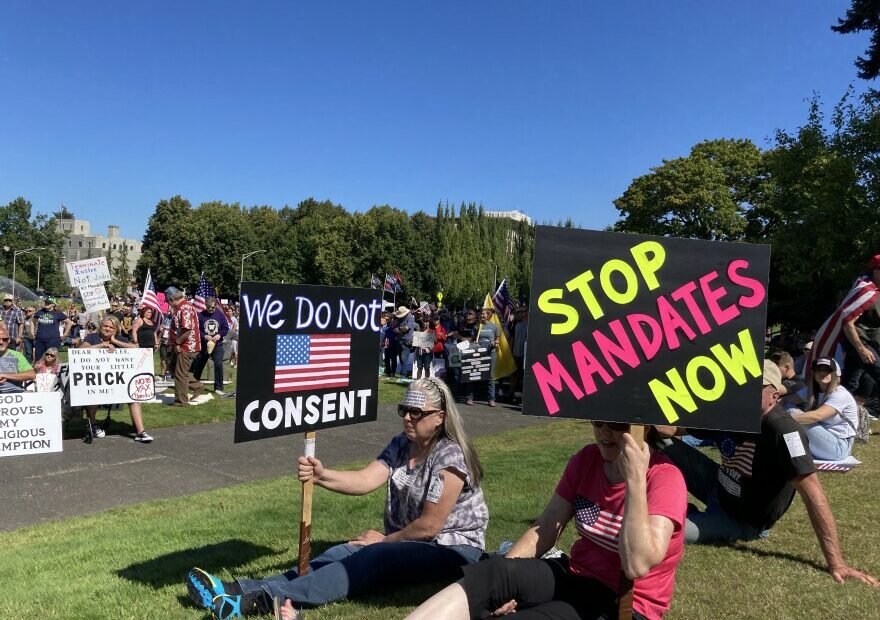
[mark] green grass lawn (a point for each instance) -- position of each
(215, 410)
(130, 562)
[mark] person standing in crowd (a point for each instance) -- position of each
(424, 355)
(109, 337)
(53, 326)
(755, 482)
(488, 335)
(186, 342)
(520, 335)
(114, 310)
(833, 415)
(14, 368)
(213, 327)
(440, 336)
(13, 318)
(232, 334)
(29, 335)
(165, 348)
(126, 322)
(406, 326)
(144, 329)
(388, 345)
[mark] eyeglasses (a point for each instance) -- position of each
(414, 414)
(620, 427)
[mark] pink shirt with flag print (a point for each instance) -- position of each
(598, 507)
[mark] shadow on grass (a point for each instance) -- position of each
(779, 555)
(173, 567)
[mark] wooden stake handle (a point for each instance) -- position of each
(305, 523)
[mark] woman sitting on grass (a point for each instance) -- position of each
(435, 518)
(109, 337)
(628, 505)
(833, 416)
(48, 363)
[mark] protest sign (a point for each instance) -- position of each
(423, 340)
(89, 271)
(476, 364)
(101, 376)
(94, 297)
(310, 354)
(30, 423)
(646, 330)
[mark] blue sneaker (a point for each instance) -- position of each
(203, 587)
(226, 606)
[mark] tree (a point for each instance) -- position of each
(120, 277)
(864, 15)
(705, 195)
(19, 231)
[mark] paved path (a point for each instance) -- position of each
(116, 471)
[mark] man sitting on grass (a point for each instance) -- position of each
(755, 483)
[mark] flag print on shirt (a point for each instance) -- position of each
(737, 457)
(600, 526)
(311, 361)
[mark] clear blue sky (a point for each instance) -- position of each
(549, 108)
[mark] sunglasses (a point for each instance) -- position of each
(4, 339)
(414, 414)
(50, 355)
(620, 427)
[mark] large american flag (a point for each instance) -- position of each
(149, 299)
(204, 290)
(861, 297)
(600, 526)
(311, 361)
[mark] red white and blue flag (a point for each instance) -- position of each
(149, 299)
(390, 283)
(600, 526)
(504, 304)
(861, 297)
(311, 361)
(204, 290)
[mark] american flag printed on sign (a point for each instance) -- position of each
(311, 361)
(838, 467)
(600, 526)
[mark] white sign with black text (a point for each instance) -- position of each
(88, 271)
(94, 297)
(30, 423)
(101, 376)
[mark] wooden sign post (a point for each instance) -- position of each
(305, 523)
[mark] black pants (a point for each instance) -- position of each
(202, 360)
(543, 589)
(390, 355)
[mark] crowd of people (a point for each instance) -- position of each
(449, 335)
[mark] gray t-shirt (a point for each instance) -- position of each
(409, 489)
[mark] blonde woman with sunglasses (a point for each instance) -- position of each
(435, 518)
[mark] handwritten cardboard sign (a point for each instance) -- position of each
(647, 330)
(94, 297)
(88, 271)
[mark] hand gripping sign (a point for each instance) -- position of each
(646, 330)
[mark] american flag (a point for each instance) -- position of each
(397, 282)
(862, 296)
(204, 290)
(738, 457)
(600, 526)
(311, 361)
(149, 299)
(504, 303)
(390, 283)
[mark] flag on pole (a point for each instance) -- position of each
(149, 299)
(390, 283)
(504, 364)
(375, 282)
(504, 304)
(397, 282)
(204, 290)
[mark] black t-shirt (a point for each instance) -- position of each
(754, 479)
(868, 325)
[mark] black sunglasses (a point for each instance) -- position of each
(414, 414)
(614, 426)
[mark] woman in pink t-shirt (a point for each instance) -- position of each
(628, 505)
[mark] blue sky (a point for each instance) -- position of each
(549, 108)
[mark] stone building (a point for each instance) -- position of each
(82, 244)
